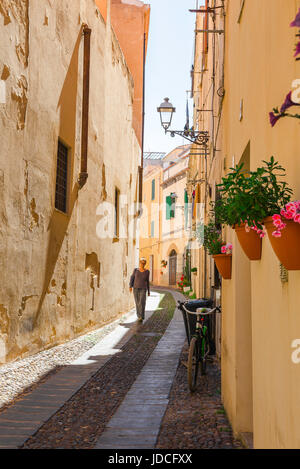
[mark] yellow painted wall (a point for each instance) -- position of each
(260, 314)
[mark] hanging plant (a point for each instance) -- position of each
(218, 249)
(288, 103)
(296, 24)
(276, 114)
(284, 234)
(247, 198)
(164, 263)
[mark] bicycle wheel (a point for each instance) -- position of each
(193, 363)
(204, 349)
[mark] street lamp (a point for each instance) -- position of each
(166, 111)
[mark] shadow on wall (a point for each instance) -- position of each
(59, 222)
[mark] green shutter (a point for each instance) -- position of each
(169, 202)
(152, 229)
(153, 189)
(186, 209)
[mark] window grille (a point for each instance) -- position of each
(61, 178)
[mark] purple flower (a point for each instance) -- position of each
(288, 103)
(296, 22)
(297, 49)
(273, 118)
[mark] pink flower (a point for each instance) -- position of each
(276, 217)
(297, 50)
(288, 103)
(297, 218)
(276, 234)
(223, 249)
(274, 118)
(296, 22)
(291, 207)
(289, 215)
(277, 222)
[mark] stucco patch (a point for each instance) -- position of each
(19, 10)
(19, 95)
(35, 216)
(5, 72)
(103, 193)
(4, 320)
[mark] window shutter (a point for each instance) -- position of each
(153, 189)
(169, 201)
(152, 229)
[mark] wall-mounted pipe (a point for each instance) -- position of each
(85, 106)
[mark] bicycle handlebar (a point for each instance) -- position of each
(201, 311)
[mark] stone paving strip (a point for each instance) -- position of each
(136, 424)
(24, 418)
(196, 420)
(81, 420)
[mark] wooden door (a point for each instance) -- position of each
(172, 268)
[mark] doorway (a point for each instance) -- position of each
(172, 267)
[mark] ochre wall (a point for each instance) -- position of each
(50, 290)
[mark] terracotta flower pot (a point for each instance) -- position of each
(286, 248)
(250, 241)
(224, 264)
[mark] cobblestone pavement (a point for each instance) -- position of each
(81, 421)
(196, 420)
(20, 377)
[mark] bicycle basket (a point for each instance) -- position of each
(190, 319)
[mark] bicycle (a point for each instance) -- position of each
(199, 345)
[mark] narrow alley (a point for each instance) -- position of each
(150, 227)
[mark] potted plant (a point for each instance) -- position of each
(164, 263)
(194, 270)
(247, 198)
(284, 233)
(220, 251)
(184, 284)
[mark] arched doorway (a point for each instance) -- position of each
(172, 267)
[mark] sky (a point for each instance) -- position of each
(169, 62)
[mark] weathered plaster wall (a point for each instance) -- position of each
(58, 279)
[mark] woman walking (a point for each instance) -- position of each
(139, 282)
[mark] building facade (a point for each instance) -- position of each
(68, 172)
(164, 223)
(241, 72)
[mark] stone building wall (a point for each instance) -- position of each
(58, 279)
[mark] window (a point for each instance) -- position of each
(170, 207)
(152, 229)
(153, 189)
(61, 178)
(117, 212)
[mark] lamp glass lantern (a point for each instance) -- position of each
(166, 111)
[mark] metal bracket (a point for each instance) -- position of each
(217, 31)
(193, 136)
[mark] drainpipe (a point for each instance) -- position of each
(141, 167)
(85, 106)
